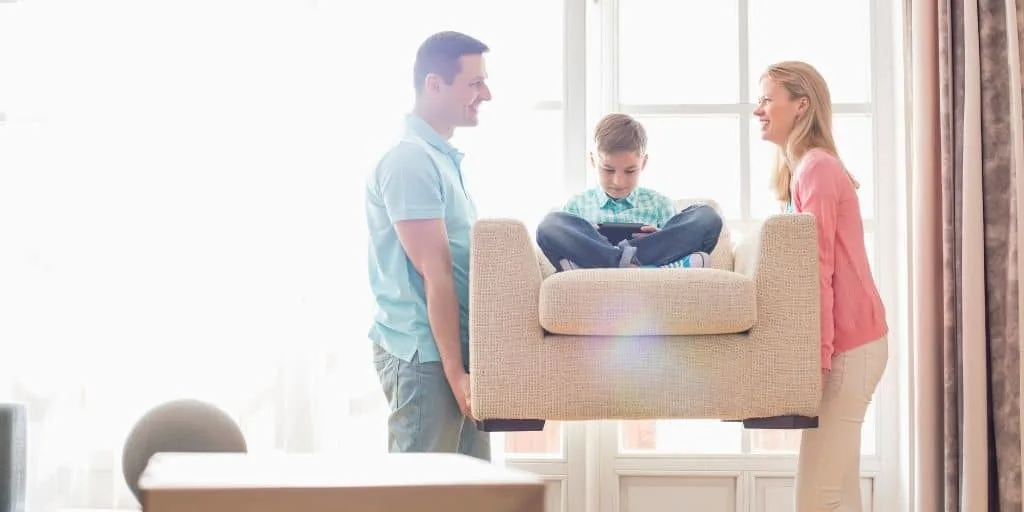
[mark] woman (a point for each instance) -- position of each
(795, 111)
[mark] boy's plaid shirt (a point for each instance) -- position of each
(643, 205)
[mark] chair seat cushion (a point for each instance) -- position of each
(647, 302)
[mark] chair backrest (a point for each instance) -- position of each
(722, 256)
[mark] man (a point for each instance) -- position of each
(419, 217)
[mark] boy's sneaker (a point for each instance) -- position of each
(697, 260)
(567, 265)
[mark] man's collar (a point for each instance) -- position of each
(417, 126)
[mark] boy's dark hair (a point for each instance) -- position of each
(440, 53)
(619, 132)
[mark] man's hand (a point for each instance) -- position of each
(645, 230)
(459, 383)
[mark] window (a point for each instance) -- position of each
(513, 162)
(514, 158)
(841, 51)
(220, 160)
(695, 155)
(657, 57)
(704, 141)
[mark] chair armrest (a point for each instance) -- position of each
(504, 325)
(782, 259)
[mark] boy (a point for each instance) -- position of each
(570, 238)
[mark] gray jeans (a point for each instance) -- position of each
(424, 414)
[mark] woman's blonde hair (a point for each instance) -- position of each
(811, 130)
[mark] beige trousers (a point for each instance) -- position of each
(828, 468)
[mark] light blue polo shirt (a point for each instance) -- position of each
(420, 177)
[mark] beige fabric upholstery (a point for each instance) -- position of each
(722, 256)
(657, 301)
(519, 371)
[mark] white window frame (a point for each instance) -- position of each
(590, 459)
(884, 106)
(572, 469)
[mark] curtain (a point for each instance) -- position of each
(968, 132)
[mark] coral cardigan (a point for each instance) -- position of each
(852, 313)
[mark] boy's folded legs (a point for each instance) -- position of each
(569, 241)
(694, 230)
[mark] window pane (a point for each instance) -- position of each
(503, 183)
(762, 159)
(833, 36)
(534, 445)
(519, 73)
(521, 69)
(693, 157)
(854, 141)
(680, 437)
(668, 53)
(775, 441)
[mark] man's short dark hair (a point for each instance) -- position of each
(440, 54)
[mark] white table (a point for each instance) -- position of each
(312, 483)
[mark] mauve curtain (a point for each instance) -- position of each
(968, 134)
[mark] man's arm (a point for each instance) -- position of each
(426, 243)
(411, 188)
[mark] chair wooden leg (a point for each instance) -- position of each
(510, 425)
(790, 422)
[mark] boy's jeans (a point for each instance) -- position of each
(565, 236)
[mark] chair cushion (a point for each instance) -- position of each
(647, 302)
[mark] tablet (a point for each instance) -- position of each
(616, 232)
